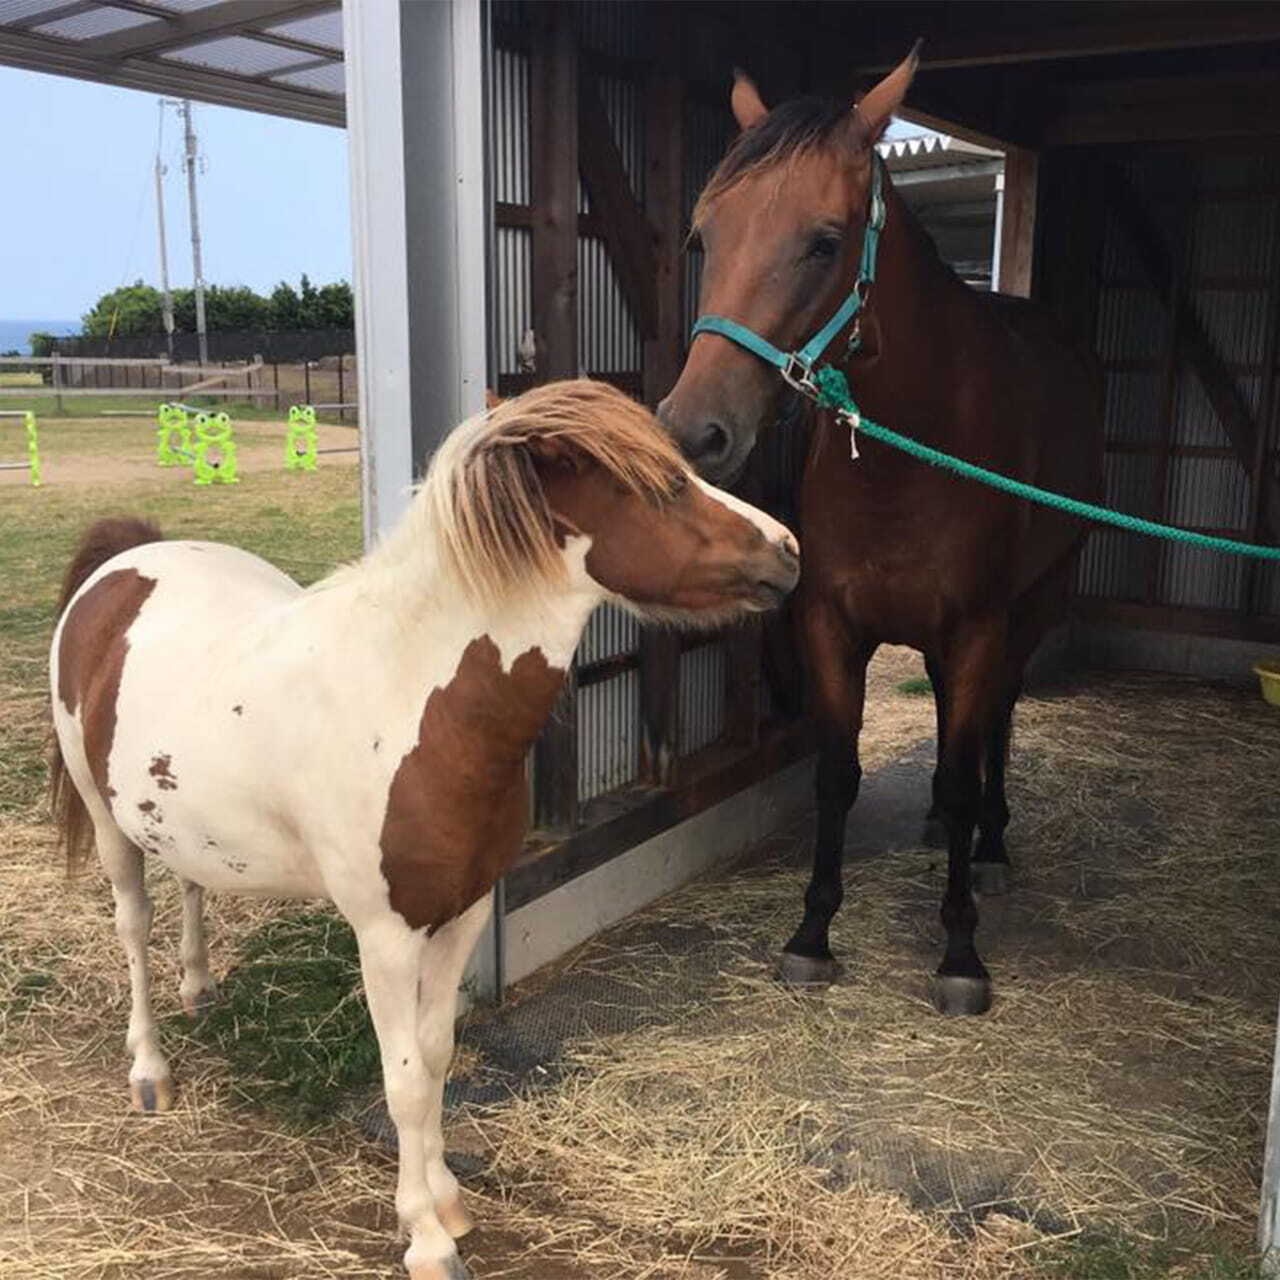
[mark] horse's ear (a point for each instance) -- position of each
(748, 109)
(873, 113)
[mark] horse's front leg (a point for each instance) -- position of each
(990, 867)
(444, 957)
(935, 830)
(837, 661)
(391, 962)
(973, 667)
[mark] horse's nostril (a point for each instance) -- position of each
(711, 444)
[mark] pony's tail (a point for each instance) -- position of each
(100, 542)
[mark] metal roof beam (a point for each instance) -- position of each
(173, 79)
(226, 18)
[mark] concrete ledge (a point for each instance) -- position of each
(1100, 644)
(545, 929)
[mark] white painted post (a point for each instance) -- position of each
(416, 86)
(1269, 1218)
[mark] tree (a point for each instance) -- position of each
(41, 344)
(335, 307)
(133, 310)
(308, 311)
(284, 309)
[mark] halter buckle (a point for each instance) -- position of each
(799, 376)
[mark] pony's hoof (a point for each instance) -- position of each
(450, 1268)
(952, 993)
(454, 1217)
(806, 971)
(198, 1005)
(151, 1095)
(991, 879)
(934, 835)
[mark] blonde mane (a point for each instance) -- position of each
(482, 506)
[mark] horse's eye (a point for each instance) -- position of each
(823, 245)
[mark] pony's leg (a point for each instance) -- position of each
(391, 962)
(150, 1084)
(198, 990)
(973, 671)
(443, 959)
(990, 866)
(838, 669)
(935, 830)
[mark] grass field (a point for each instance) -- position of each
(259, 1171)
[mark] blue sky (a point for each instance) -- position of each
(77, 215)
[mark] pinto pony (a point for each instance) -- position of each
(364, 740)
(895, 551)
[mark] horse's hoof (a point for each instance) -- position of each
(450, 1268)
(806, 971)
(198, 1005)
(991, 879)
(934, 835)
(952, 993)
(454, 1217)
(151, 1095)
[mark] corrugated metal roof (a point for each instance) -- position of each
(932, 151)
(278, 56)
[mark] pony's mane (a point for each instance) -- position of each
(482, 504)
(789, 131)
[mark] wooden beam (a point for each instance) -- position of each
(1226, 624)
(553, 107)
(663, 355)
(1018, 222)
(198, 25)
(1169, 109)
(554, 168)
(628, 238)
(1194, 343)
(1175, 26)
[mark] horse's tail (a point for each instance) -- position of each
(100, 542)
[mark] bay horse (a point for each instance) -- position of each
(894, 551)
(365, 740)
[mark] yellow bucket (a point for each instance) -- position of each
(1269, 675)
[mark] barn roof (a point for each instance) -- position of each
(283, 57)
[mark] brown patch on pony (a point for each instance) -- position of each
(457, 809)
(103, 540)
(162, 773)
(147, 806)
(484, 490)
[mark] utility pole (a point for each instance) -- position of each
(166, 294)
(190, 135)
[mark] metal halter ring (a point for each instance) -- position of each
(799, 375)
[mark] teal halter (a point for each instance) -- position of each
(797, 366)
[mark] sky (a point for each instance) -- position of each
(77, 211)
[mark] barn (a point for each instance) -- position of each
(522, 177)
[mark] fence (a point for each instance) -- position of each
(274, 348)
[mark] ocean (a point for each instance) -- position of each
(14, 333)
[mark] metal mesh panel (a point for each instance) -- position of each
(320, 28)
(331, 78)
(702, 694)
(513, 295)
(608, 340)
(237, 54)
(610, 632)
(97, 22)
(511, 173)
(608, 734)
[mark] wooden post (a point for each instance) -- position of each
(663, 354)
(553, 109)
(1018, 222)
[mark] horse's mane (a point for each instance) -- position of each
(788, 132)
(482, 505)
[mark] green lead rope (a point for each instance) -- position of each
(832, 392)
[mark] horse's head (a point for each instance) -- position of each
(574, 486)
(781, 222)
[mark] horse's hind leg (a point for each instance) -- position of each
(198, 990)
(838, 670)
(150, 1084)
(935, 830)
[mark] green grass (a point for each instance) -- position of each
(304, 523)
(21, 380)
(1116, 1257)
(917, 686)
(289, 1021)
